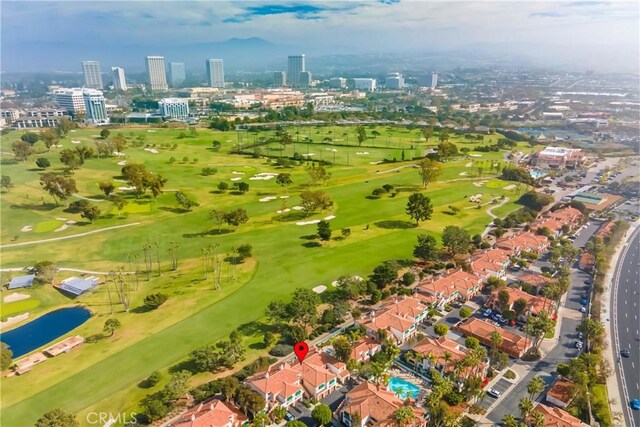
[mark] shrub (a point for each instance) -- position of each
(280, 350)
(510, 375)
(408, 278)
(154, 301)
(465, 312)
(209, 171)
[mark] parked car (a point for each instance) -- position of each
(487, 312)
(456, 304)
(583, 309)
(512, 322)
(585, 301)
(625, 353)
(495, 317)
(289, 417)
(495, 393)
(502, 320)
(579, 345)
(580, 335)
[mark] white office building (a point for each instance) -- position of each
(365, 84)
(95, 106)
(92, 74)
(338, 82)
(215, 73)
(279, 79)
(177, 73)
(394, 81)
(70, 100)
(119, 81)
(175, 108)
(156, 72)
(434, 80)
(295, 65)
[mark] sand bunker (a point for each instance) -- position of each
(268, 198)
(480, 183)
(463, 174)
(61, 228)
(468, 165)
(76, 142)
(510, 187)
(14, 319)
(151, 131)
(126, 188)
(284, 197)
(74, 131)
(26, 228)
(16, 297)
(122, 163)
(61, 219)
(476, 199)
(338, 282)
(151, 150)
(283, 211)
(309, 154)
(261, 178)
(475, 155)
(237, 173)
(313, 221)
(236, 179)
(330, 217)
(332, 149)
(319, 289)
(119, 153)
(297, 208)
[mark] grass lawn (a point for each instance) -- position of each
(601, 408)
(104, 376)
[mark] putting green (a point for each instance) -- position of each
(47, 226)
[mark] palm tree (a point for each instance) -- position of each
(535, 387)
(525, 406)
(537, 420)
(496, 341)
(403, 416)
(509, 421)
(447, 358)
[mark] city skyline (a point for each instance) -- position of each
(533, 29)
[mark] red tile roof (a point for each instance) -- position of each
(211, 414)
(562, 390)
(445, 286)
(556, 417)
(512, 344)
(535, 303)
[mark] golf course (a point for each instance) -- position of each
(104, 375)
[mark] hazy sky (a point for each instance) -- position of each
(589, 31)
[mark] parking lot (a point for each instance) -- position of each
(502, 385)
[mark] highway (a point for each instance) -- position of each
(626, 326)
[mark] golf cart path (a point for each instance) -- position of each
(73, 236)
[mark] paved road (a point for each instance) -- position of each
(626, 325)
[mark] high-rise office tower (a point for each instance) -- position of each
(434, 80)
(279, 79)
(95, 106)
(295, 66)
(119, 81)
(394, 81)
(71, 100)
(92, 74)
(177, 73)
(305, 79)
(215, 73)
(156, 72)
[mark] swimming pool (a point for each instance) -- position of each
(403, 388)
(535, 173)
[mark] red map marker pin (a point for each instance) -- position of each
(301, 349)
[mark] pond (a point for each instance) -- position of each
(44, 329)
(403, 388)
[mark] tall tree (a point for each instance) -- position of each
(59, 187)
(426, 248)
(535, 387)
(284, 181)
(71, 158)
(403, 416)
(342, 348)
(236, 217)
(526, 406)
(455, 240)
(5, 182)
(496, 342)
(429, 171)
(322, 414)
(419, 207)
(361, 134)
(185, 201)
(22, 150)
(91, 213)
(111, 325)
(57, 418)
(503, 300)
(324, 231)
(107, 187)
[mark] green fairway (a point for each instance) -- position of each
(283, 257)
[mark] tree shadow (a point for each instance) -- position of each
(185, 365)
(141, 309)
(234, 260)
(311, 245)
(215, 232)
(173, 210)
(309, 237)
(290, 216)
(255, 328)
(6, 162)
(35, 207)
(372, 197)
(395, 224)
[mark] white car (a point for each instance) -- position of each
(579, 345)
(583, 309)
(493, 393)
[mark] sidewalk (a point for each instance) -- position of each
(613, 387)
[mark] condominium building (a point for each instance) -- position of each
(305, 79)
(434, 80)
(70, 100)
(119, 81)
(177, 73)
(175, 108)
(92, 74)
(295, 65)
(279, 79)
(156, 72)
(215, 73)
(365, 84)
(95, 106)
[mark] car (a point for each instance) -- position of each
(579, 345)
(625, 353)
(512, 322)
(487, 312)
(584, 301)
(583, 309)
(495, 393)
(289, 417)
(495, 317)
(635, 404)
(587, 281)
(580, 335)
(456, 304)
(502, 320)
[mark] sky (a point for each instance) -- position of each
(598, 34)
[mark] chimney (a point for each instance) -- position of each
(266, 374)
(193, 417)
